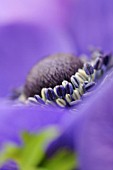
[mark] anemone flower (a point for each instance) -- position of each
(27, 36)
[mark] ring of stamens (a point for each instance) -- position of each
(80, 83)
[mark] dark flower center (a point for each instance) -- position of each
(50, 72)
(63, 79)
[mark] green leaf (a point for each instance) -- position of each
(64, 159)
(31, 155)
(34, 148)
(32, 151)
(33, 168)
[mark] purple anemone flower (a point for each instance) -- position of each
(29, 32)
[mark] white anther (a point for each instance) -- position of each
(76, 95)
(43, 94)
(68, 98)
(61, 102)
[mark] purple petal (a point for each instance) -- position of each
(28, 33)
(22, 45)
(41, 12)
(95, 132)
(91, 24)
(16, 119)
(10, 165)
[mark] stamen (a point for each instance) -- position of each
(39, 99)
(98, 63)
(50, 95)
(43, 94)
(83, 73)
(78, 77)
(60, 91)
(68, 87)
(106, 59)
(88, 86)
(75, 81)
(61, 102)
(68, 98)
(32, 100)
(88, 69)
(76, 95)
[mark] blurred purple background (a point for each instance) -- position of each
(30, 30)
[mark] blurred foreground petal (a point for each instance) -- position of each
(17, 119)
(95, 134)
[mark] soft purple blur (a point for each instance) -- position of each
(91, 24)
(16, 119)
(10, 165)
(31, 30)
(28, 32)
(95, 138)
